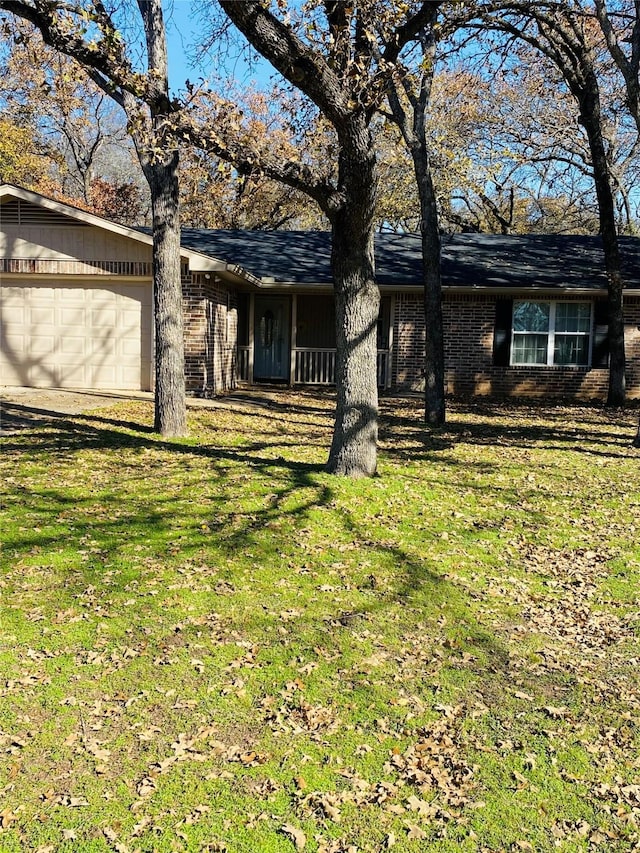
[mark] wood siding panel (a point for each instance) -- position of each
(69, 243)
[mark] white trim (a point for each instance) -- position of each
(293, 338)
(252, 314)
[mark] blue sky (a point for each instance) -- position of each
(184, 30)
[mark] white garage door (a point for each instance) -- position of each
(76, 335)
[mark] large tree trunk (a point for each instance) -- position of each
(170, 404)
(353, 450)
(434, 399)
(592, 122)
(161, 171)
(434, 402)
(414, 133)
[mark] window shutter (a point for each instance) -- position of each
(502, 332)
(600, 357)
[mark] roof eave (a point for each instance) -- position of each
(489, 290)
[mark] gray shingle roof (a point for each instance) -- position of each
(548, 261)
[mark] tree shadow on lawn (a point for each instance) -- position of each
(268, 457)
(417, 440)
(402, 436)
(296, 491)
(16, 417)
(286, 401)
(288, 479)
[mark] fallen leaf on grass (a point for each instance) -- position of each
(525, 696)
(73, 802)
(296, 835)
(145, 787)
(422, 807)
(149, 734)
(139, 827)
(557, 713)
(6, 818)
(325, 804)
(522, 780)
(415, 833)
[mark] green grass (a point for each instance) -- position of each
(210, 644)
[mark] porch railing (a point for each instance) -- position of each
(318, 366)
(313, 366)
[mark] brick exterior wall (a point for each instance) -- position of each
(469, 370)
(210, 329)
(632, 345)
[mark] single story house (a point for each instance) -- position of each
(524, 315)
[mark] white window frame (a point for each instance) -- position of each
(551, 334)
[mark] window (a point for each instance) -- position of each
(551, 333)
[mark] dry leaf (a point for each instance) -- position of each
(296, 835)
(557, 713)
(424, 809)
(6, 817)
(520, 695)
(415, 833)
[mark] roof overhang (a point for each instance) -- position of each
(457, 289)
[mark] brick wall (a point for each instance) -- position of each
(210, 319)
(468, 328)
(408, 342)
(632, 345)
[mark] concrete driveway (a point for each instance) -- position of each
(22, 408)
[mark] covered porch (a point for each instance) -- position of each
(290, 338)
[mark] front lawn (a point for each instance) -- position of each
(212, 645)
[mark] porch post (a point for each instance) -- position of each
(294, 329)
(252, 305)
(392, 319)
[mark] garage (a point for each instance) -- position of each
(76, 334)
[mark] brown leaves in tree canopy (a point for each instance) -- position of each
(120, 202)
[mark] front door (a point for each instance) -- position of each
(271, 337)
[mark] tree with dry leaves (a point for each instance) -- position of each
(24, 158)
(564, 36)
(340, 56)
(214, 193)
(408, 96)
(89, 33)
(82, 126)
